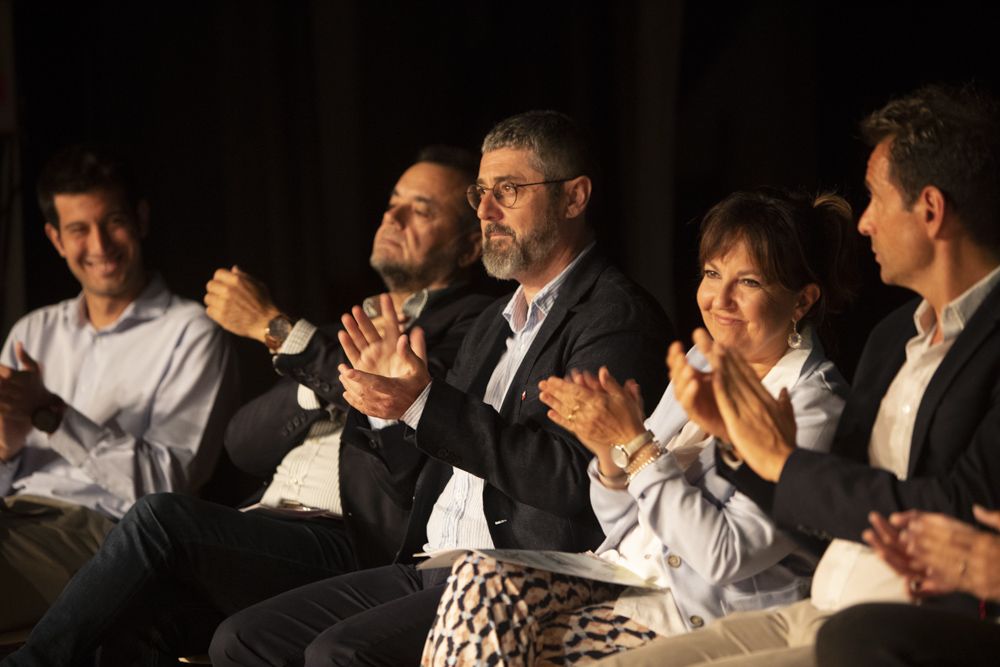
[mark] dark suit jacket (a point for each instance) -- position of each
(955, 450)
(268, 427)
(537, 490)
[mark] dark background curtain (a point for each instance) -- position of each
(270, 132)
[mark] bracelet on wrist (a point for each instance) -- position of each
(645, 456)
(617, 481)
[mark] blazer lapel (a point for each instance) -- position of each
(494, 345)
(975, 335)
(577, 284)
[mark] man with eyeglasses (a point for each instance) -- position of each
(493, 470)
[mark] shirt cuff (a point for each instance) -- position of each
(413, 413)
(379, 423)
(307, 398)
(298, 338)
(728, 455)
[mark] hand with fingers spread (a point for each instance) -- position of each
(370, 345)
(596, 409)
(941, 554)
(761, 428)
(239, 303)
(693, 390)
(389, 368)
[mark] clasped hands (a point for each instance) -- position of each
(939, 554)
(239, 303)
(388, 368)
(729, 403)
(21, 393)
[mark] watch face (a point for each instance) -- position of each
(279, 328)
(619, 456)
(46, 420)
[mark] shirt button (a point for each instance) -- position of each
(697, 621)
(673, 560)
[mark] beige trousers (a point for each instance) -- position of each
(43, 542)
(779, 637)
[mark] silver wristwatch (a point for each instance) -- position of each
(621, 453)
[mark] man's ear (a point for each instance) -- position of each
(142, 215)
(473, 249)
(577, 196)
(53, 233)
(933, 208)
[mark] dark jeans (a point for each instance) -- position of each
(171, 570)
(373, 617)
(883, 635)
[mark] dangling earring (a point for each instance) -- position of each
(795, 338)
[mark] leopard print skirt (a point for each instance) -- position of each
(495, 613)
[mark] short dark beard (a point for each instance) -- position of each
(441, 262)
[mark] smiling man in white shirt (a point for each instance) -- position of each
(104, 397)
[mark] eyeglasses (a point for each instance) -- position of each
(504, 192)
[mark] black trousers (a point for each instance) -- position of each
(880, 635)
(171, 570)
(373, 617)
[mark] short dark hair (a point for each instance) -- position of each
(463, 161)
(794, 239)
(79, 169)
(948, 137)
(560, 147)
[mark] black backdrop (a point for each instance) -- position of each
(270, 131)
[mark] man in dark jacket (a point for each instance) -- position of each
(492, 469)
(176, 566)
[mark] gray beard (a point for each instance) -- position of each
(520, 254)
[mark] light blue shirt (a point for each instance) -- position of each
(139, 394)
(458, 519)
(720, 552)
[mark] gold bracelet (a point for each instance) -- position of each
(657, 452)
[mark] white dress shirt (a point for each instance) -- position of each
(138, 394)
(850, 572)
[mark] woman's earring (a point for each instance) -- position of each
(795, 338)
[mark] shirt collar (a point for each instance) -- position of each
(787, 371)
(959, 311)
(415, 304)
(151, 303)
(519, 313)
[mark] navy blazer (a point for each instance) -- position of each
(955, 451)
(268, 427)
(536, 494)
